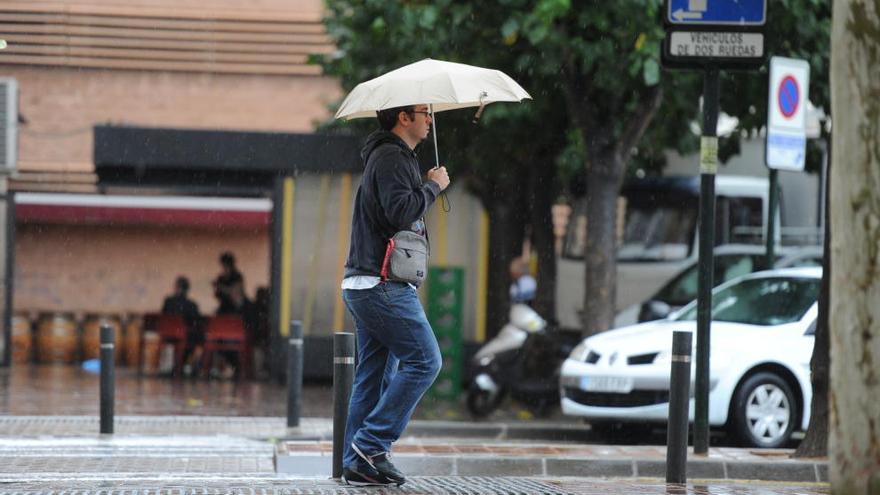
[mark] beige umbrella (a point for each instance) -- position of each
(441, 85)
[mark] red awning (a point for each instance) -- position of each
(97, 209)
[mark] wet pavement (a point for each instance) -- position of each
(69, 390)
(473, 457)
(224, 464)
(211, 436)
(428, 485)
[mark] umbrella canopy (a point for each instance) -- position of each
(442, 85)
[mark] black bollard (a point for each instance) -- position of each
(294, 373)
(343, 377)
(107, 378)
(679, 396)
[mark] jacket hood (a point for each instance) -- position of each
(379, 138)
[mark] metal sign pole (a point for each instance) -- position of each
(708, 167)
(710, 36)
(771, 218)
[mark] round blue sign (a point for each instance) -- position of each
(788, 96)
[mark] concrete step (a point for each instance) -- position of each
(454, 457)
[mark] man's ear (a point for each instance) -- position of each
(403, 117)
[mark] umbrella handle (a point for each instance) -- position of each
(445, 199)
(479, 113)
(434, 132)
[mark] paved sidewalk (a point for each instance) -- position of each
(455, 457)
(429, 447)
(216, 455)
(436, 485)
(276, 427)
(192, 465)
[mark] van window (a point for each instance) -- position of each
(660, 221)
(739, 220)
(664, 232)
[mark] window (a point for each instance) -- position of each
(683, 288)
(761, 301)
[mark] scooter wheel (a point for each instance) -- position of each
(482, 402)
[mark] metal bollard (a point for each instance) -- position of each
(679, 396)
(107, 378)
(343, 378)
(294, 373)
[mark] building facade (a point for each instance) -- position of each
(107, 232)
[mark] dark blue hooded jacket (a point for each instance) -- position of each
(391, 197)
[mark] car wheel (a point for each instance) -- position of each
(764, 411)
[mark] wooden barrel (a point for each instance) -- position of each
(56, 338)
(151, 353)
(91, 343)
(133, 340)
(22, 339)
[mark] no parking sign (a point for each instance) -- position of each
(786, 113)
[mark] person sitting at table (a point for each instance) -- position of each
(179, 303)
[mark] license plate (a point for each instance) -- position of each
(614, 384)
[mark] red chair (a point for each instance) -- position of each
(172, 331)
(227, 333)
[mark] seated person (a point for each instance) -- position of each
(180, 304)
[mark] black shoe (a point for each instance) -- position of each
(381, 462)
(363, 475)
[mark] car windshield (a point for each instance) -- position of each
(683, 288)
(761, 301)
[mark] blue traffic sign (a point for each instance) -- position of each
(788, 96)
(719, 12)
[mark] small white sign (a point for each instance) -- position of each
(787, 113)
(716, 44)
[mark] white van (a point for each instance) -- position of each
(659, 236)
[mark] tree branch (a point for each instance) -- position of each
(639, 121)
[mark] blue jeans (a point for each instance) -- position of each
(398, 359)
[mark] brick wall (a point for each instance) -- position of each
(62, 105)
(128, 269)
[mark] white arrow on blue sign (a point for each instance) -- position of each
(719, 12)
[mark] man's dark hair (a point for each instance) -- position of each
(227, 259)
(388, 117)
(182, 284)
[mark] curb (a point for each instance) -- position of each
(312, 464)
(498, 431)
(458, 429)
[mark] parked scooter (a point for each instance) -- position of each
(523, 360)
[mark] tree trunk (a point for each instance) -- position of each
(854, 445)
(815, 443)
(505, 243)
(542, 193)
(600, 255)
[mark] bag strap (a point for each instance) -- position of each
(385, 262)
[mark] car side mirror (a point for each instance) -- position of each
(654, 310)
(660, 309)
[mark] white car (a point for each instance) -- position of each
(759, 379)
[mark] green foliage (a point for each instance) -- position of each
(587, 64)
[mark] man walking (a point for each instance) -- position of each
(391, 327)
